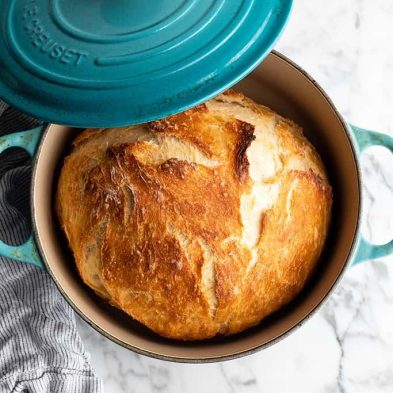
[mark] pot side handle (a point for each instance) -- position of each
(27, 140)
(364, 139)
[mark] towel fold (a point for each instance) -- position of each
(40, 348)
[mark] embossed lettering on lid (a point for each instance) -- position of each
(108, 63)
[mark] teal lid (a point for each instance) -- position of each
(102, 63)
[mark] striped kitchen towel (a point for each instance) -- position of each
(40, 349)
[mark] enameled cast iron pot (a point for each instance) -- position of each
(286, 88)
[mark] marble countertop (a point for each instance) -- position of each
(348, 345)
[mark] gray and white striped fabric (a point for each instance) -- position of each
(40, 349)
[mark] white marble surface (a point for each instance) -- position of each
(348, 346)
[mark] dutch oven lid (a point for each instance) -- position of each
(102, 63)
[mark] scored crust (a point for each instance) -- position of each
(199, 224)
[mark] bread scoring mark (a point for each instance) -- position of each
(122, 157)
(261, 198)
(264, 150)
(94, 142)
(182, 240)
(129, 202)
(169, 147)
(208, 276)
(294, 163)
(93, 259)
(246, 132)
(294, 184)
(237, 103)
(319, 182)
(107, 187)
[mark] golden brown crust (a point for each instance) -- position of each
(201, 223)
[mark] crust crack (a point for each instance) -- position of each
(208, 279)
(246, 137)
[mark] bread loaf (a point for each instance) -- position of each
(199, 224)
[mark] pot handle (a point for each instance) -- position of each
(27, 140)
(364, 139)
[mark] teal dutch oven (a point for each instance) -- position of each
(49, 74)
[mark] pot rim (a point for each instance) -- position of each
(245, 352)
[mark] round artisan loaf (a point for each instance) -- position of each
(199, 224)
